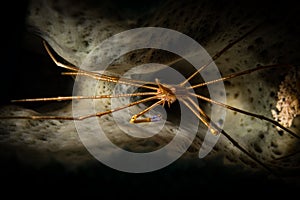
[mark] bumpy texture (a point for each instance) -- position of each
(288, 100)
(74, 29)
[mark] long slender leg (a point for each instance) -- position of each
(215, 130)
(287, 156)
(69, 67)
(66, 98)
(242, 149)
(202, 119)
(102, 77)
(134, 117)
(111, 79)
(246, 113)
(238, 74)
(233, 141)
(99, 114)
(218, 54)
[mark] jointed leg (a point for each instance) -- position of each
(148, 119)
(218, 54)
(102, 77)
(66, 98)
(238, 74)
(214, 129)
(205, 121)
(242, 149)
(246, 113)
(99, 114)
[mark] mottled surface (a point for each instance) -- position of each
(74, 29)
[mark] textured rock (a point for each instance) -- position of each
(75, 29)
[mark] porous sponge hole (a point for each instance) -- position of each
(75, 33)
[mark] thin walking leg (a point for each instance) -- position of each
(246, 113)
(202, 119)
(99, 114)
(148, 119)
(218, 54)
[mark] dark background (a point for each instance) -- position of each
(18, 68)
